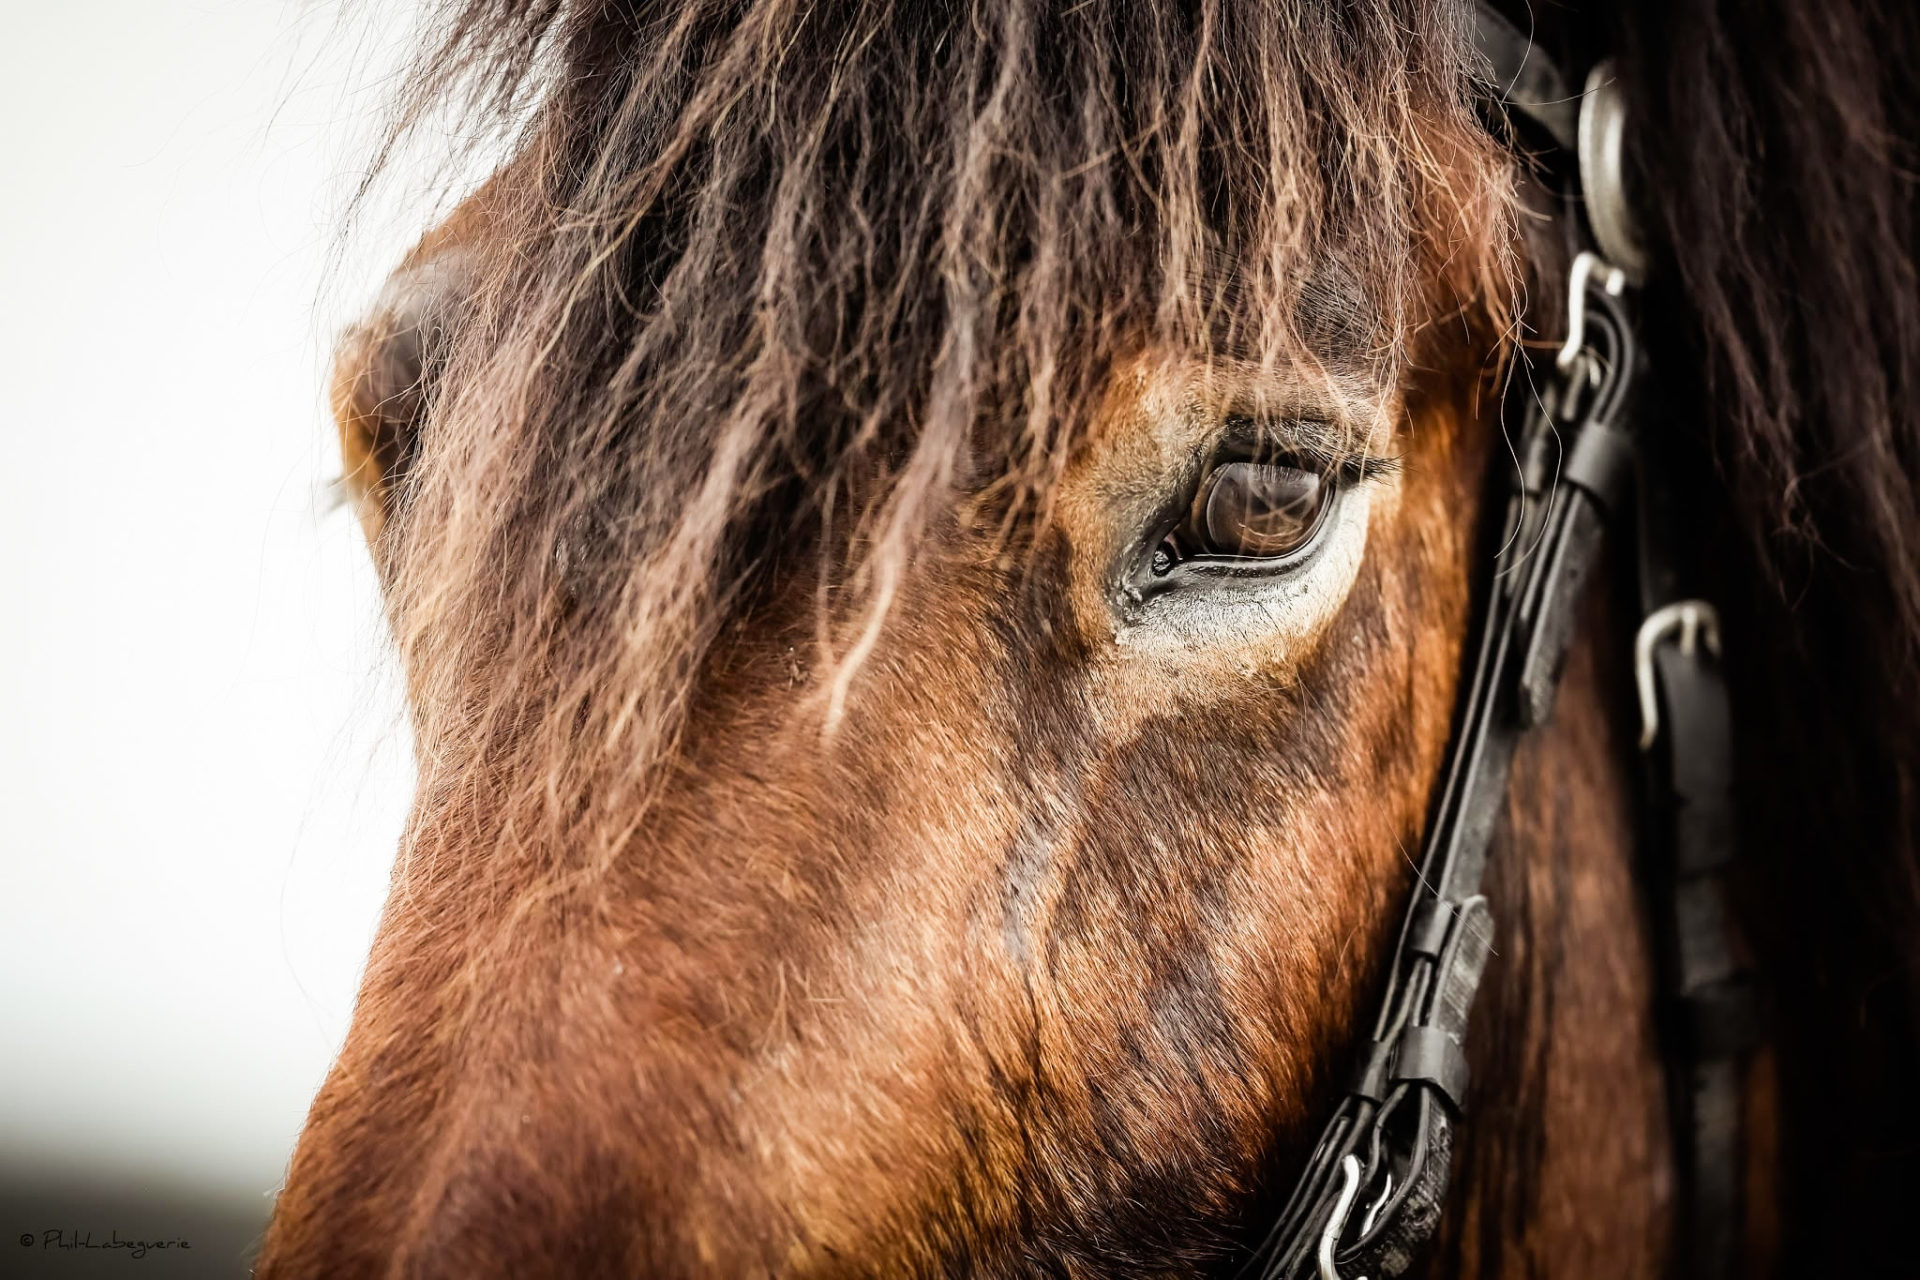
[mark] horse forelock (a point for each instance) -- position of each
(774, 286)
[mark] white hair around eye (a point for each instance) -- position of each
(1236, 610)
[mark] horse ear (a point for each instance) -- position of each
(385, 372)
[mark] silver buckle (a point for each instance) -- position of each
(1693, 619)
(1586, 264)
(1330, 1236)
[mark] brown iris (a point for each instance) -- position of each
(1251, 510)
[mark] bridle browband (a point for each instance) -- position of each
(1373, 1189)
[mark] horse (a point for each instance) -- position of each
(934, 547)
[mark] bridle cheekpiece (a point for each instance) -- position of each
(1372, 1193)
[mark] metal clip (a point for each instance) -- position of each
(1330, 1236)
(1612, 279)
(1379, 1203)
(1602, 149)
(1693, 619)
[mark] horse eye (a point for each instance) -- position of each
(1252, 510)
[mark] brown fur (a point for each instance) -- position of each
(1001, 1070)
(818, 866)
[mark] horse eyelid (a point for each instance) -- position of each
(1309, 442)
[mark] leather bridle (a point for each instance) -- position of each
(1588, 466)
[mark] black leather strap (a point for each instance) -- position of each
(1525, 85)
(1393, 1133)
(1710, 1000)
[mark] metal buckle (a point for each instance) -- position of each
(1586, 265)
(1330, 1235)
(1693, 619)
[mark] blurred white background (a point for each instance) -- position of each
(203, 761)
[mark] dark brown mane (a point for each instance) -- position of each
(1779, 164)
(775, 277)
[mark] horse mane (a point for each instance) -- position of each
(777, 283)
(1777, 148)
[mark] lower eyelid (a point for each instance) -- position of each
(1218, 600)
